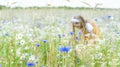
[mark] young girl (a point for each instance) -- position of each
(90, 31)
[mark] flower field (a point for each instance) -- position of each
(44, 38)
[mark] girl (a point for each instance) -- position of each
(90, 30)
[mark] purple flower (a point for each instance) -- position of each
(30, 64)
(37, 45)
(45, 41)
(64, 49)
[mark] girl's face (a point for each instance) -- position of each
(76, 22)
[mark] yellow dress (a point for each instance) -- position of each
(86, 36)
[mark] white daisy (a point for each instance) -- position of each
(32, 57)
(19, 36)
(22, 42)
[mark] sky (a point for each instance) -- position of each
(70, 3)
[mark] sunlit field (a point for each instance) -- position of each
(44, 38)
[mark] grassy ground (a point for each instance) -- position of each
(37, 37)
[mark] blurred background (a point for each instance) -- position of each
(58, 3)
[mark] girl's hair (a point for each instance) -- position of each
(82, 24)
(80, 17)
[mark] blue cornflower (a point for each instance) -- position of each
(109, 17)
(59, 35)
(64, 49)
(36, 62)
(6, 34)
(30, 64)
(4, 21)
(78, 60)
(103, 18)
(79, 33)
(45, 41)
(95, 19)
(37, 45)
(77, 38)
(117, 32)
(71, 33)
(63, 35)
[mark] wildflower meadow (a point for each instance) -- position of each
(44, 38)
